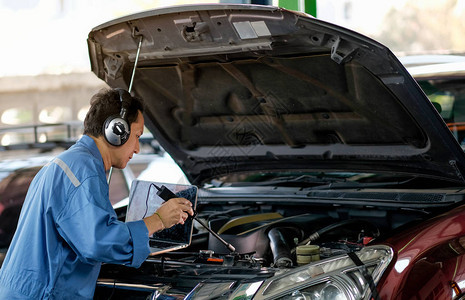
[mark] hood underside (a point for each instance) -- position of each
(230, 88)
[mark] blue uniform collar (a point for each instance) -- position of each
(90, 144)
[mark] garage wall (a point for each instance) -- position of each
(38, 92)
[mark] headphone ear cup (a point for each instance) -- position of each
(116, 130)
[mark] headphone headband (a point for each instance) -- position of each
(125, 99)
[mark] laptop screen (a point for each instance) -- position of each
(144, 201)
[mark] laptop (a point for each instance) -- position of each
(144, 201)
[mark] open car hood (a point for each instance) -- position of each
(232, 88)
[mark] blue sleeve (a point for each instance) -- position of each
(89, 225)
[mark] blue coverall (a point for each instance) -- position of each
(67, 228)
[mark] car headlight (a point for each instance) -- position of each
(337, 278)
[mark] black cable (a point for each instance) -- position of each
(366, 275)
(113, 290)
(147, 199)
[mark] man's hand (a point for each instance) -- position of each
(172, 212)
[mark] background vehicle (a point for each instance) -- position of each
(317, 156)
(13, 189)
(442, 77)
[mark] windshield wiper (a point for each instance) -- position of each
(309, 179)
(354, 184)
(322, 181)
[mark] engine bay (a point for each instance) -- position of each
(267, 239)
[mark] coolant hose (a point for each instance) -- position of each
(343, 224)
(280, 248)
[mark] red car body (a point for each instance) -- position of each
(430, 260)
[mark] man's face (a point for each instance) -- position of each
(124, 153)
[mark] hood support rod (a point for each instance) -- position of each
(130, 84)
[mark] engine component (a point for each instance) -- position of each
(280, 248)
(281, 239)
(374, 232)
(307, 253)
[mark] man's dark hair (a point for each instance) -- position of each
(107, 103)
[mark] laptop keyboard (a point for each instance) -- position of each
(161, 244)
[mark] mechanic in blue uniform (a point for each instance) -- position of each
(67, 226)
